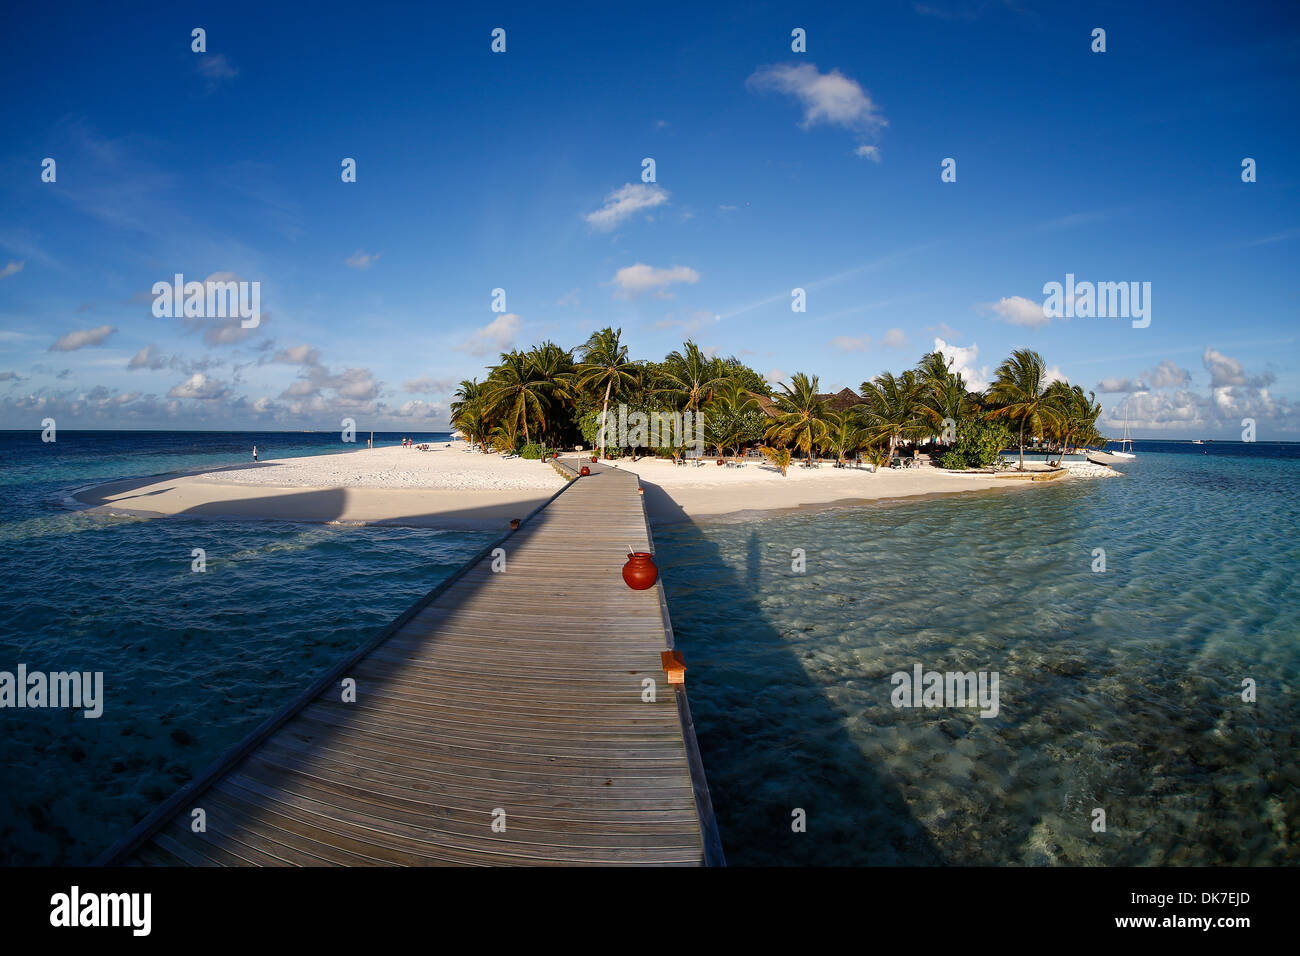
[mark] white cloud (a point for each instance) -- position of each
(1226, 371)
(362, 260)
(846, 343)
(1121, 385)
(1223, 370)
(81, 338)
(831, 98)
(146, 358)
(1233, 394)
(962, 361)
(11, 269)
(626, 201)
(1018, 310)
(201, 387)
(777, 375)
(868, 152)
(1164, 375)
(355, 385)
(421, 410)
(1168, 375)
(689, 325)
(427, 384)
(229, 330)
(894, 339)
(300, 389)
(497, 336)
(634, 280)
(351, 386)
(298, 355)
(216, 68)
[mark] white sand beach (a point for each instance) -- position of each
(681, 492)
(451, 487)
(446, 488)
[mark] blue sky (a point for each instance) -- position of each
(522, 170)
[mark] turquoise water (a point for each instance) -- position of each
(1119, 690)
(191, 662)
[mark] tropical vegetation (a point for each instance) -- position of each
(552, 396)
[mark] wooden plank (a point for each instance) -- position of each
(518, 691)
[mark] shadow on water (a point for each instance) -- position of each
(742, 673)
(400, 682)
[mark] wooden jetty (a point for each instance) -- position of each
(503, 719)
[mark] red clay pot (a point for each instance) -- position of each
(593, 459)
(640, 572)
(585, 471)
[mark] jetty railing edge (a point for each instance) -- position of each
(713, 855)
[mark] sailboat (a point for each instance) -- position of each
(1111, 457)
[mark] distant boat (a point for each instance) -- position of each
(1197, 441)
(1112, 457)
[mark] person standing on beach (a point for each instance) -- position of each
(254, 453)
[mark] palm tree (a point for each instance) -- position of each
(555, 368)
(469, 390)
(691, 377)
(1019, 394)
(604, 363)
(801, 418)
(891, 410)
(731, 412)
(943, 391)
(515, 392)
(467, 412)
(846, 436)
(1076, 414)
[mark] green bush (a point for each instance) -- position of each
(531, 450)
(589, 425)
(979, 444)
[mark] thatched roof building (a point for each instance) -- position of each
(839, 401)
(842, 400)
(765, 403)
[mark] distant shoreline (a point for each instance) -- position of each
(453, 488)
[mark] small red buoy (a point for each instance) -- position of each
(585, 471)
(514, 524)
(640, 572)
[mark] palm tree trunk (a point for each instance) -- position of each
(1022, 445)
(604, 416)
